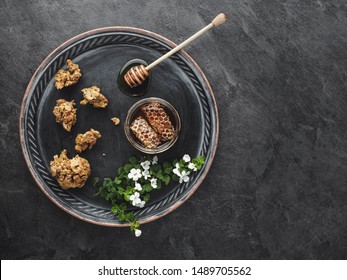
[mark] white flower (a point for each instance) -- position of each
(145, 165)
(138, 232)
(136, 202)
(135, 198)
(135, 174)
(154, 183)
(186, 158)
(138, 187)
(192, 166)
(145, 174)
(177, 170)
(184, 176)
(141, 204)
(155, 160)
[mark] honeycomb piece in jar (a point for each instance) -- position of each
(65, 113)
(159, 120)
(86, 140)
(65, 78)
(145, 133)
(70, 173)
(93, 96)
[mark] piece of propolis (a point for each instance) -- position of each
(65, 113)
(93, 96)
(70, 173)
(86, 140)
(65, 78)
(115, 120)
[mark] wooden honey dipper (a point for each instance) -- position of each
(138, 74)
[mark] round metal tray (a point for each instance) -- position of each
(100, 54)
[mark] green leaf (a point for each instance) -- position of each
(117, 181)
(95, 180)
(166, 179)
(166, 164)
(115, 209)
(158, 185)
(137, 166)
(134, 225)
(129, 216)
(123, 206)
(160, 175)
(129, 190)
(142, 159)
(121, 216)
(147, 188)
(120, 190)
(199, 162)
(107, 183)
(175, 177)
(168, 170)
(167, 167)
(155, 168)
(102, 192)
(146, 197)
(133, 160)
(128, 167)
(121, 171)
(126, 197)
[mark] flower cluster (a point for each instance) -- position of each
(138, 178)
(136, 200)
(185, 166)
(135, 175)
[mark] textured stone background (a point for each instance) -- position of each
(277, 188)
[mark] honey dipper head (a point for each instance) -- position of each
(136, 76)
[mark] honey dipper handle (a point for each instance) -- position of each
(215, 22)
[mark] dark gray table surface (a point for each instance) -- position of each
(277, 187)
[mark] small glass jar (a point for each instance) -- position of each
(135, 111)
(135, 91)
